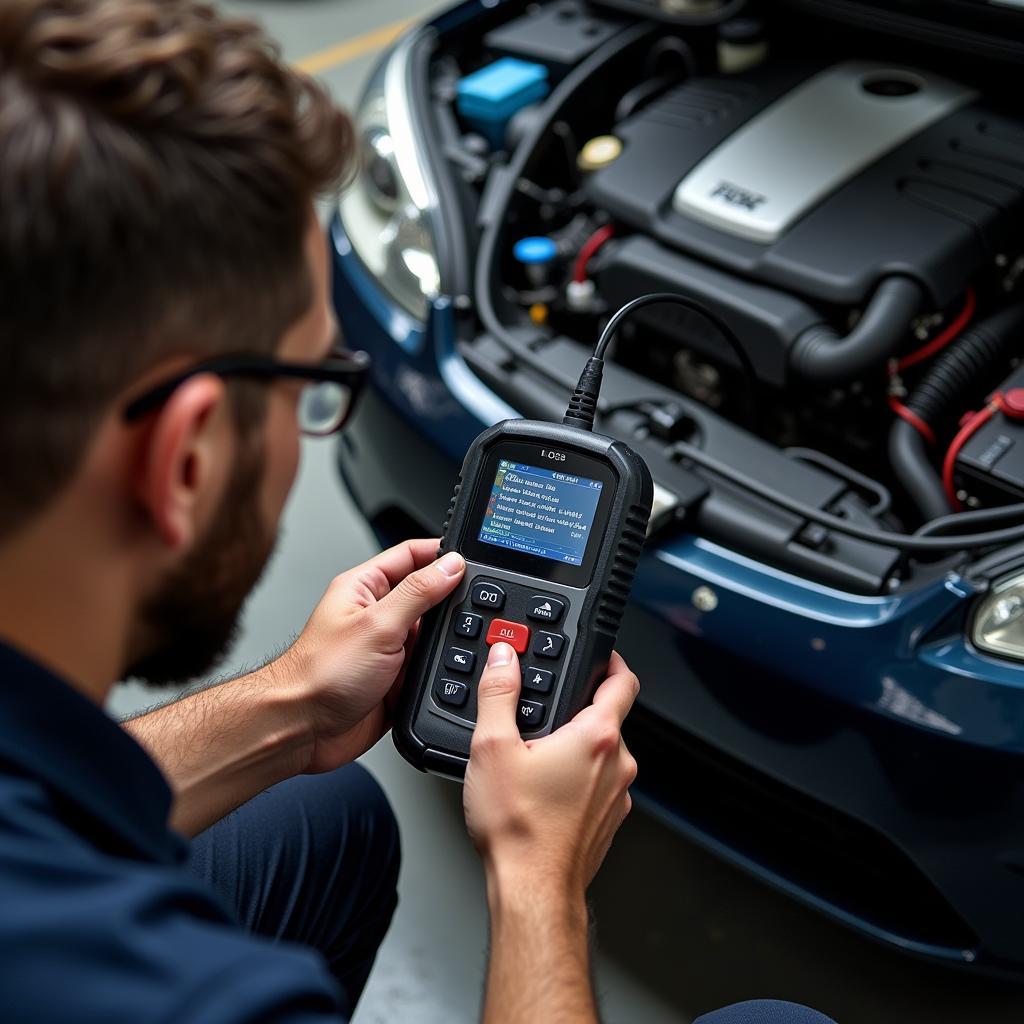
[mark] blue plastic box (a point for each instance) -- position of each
(488, 98)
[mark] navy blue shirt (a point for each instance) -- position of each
(99, 922)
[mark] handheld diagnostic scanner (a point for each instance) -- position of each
(551, 520)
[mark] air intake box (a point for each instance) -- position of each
(764, 319)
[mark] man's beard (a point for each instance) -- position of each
(195, 611)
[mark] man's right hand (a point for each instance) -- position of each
(542, 814)
(544, 811)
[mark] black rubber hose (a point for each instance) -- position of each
(913, 543)
(960, 521)
(821, 353)
(939, 396)
(642, 94)
(503, 184)
(908, 457)
(963, 365)
(657, 79)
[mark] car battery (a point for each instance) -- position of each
(487, 99)
(990, 465)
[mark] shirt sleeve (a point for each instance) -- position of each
(103, 940)
(267, 987)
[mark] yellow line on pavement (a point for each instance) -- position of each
(342, 53)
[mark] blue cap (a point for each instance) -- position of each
(535, 249)
(501, 88)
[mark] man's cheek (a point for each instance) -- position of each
(283, 448)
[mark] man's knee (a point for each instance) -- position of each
(348, 809)
(764, 1011)
(314, 845)
(354, 883)
(376, 820)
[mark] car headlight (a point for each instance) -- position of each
(999, 620)
(388, 210)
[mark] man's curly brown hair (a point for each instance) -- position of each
(157, 164)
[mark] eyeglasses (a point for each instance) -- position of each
(325, 403)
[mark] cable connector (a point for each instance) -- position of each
(579, 295)
(583, 404)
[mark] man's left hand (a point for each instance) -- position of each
(349, 661)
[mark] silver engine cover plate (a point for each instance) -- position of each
(779, 165)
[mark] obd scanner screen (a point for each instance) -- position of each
(536, 514)
(540, 511)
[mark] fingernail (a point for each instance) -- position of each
(501, 654)
(451, 564)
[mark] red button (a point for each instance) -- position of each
(510, 633)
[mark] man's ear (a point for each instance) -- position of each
(185, 460)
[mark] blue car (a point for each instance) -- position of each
(828, 620)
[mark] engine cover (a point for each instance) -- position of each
(810, 142)
(821, 181)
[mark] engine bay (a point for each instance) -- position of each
(838, 208)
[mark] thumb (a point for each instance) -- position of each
(397, 612)
(497, 695)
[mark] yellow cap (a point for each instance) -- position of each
(599, 152)
(539, 313)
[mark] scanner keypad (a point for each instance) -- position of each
(467, 624)
(458, 659)
(504, 631)
(505, 612)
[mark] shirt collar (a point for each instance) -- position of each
(114, 792)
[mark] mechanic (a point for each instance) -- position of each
(165, 334)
